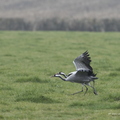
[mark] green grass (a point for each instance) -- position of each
(28, 59)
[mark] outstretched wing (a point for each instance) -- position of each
(83, 62)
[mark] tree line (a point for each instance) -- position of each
(60, 24)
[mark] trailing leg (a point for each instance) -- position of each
(94, 91)
(78, 91)
(93, 83)
(86, 89)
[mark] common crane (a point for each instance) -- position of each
(83, 74)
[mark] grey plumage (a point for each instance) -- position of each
(83, 74)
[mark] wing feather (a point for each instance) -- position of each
(83, 62)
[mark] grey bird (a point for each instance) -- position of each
(83, 74)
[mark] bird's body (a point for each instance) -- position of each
(83, 74)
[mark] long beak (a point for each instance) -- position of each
(53, 75)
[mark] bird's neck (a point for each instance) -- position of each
(61, 77)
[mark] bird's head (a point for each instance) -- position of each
(60, 73)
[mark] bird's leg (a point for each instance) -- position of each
(93, 83)
(86, 89)
(78, 91)
(94, 91)
(61, 73)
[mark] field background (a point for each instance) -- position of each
(28, 59)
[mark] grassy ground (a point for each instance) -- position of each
(28, 59)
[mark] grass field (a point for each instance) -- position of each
(28, 59)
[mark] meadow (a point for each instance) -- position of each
(29, 59)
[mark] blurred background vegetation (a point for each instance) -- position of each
(67, 15)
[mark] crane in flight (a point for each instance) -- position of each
(83, 74)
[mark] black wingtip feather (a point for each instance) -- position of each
(87, 59)
(83, 61)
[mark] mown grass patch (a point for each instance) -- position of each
(31, 97)
(96, 105)
(33, 93)
(31, 79)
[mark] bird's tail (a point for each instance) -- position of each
(93, 77)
